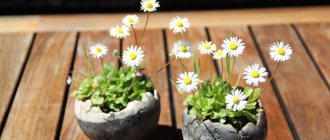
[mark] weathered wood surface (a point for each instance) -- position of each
(36, 108)
(277, 125)
(304, 93)
(153, 46)
(14, 49)
(70, 128)
(317, 39)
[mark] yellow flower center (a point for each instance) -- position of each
(98, 49)
(94, 85)
(132, 56)
(131, 20)
(232, 46)
(120, 31)
(236, 100)
(281, 51)
(149, 5)
(183, 48)
(187, 80)
(179, 24)
(220, 53)
(255, 74)
(207, 46)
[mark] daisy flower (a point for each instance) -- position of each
(187, 82)
(130, 20)
(179, 25)
(234, 46)
(149, 5)
(182, 49)
(207, 47)
(236, 100)
(254, 74)
(119, 32)
(280, 52)
(133, 56)
(68, 80)
(219, 54)
(98, 50)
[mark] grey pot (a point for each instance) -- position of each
(193, 129)
(137, 121)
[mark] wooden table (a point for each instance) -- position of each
(35, 102)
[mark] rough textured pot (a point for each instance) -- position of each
(193, 129)
(137, 121)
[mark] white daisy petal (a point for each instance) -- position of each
(236, 101)
(119, 31)
(187, 82)
(280, 52)
(219, 54)
(233, 46)
(133, 56)
(255, 75)
(179, 25)
(130, 20)
(149, 5)
(182, 49)
(98, 50)
(207, 47)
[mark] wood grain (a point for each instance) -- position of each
(152, 44)
(70, 129)
(195, 36)
(37, 105)
(277, 125)
(303, 92)
(14, 48)
(317, 39)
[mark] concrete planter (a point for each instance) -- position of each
(193, 129)
(137, 121)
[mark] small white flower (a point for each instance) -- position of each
(236, 100)
(133, 56)
(254, 74)
(219, 54)
(98, 50)
(130, 20)
(234, 46)
(119, 32)
(207, 47)
(187, 82)
(280, 52)
(149, 5)
(179, 25)
(68, 80)
(182, 49)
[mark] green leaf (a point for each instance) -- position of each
(251, 105)
(97, 100)
(249, 116)
(247, 91)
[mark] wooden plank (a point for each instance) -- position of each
(153, 46)
(195, 36)
(14, 48)
(37, 105)
(70, 128)
(277, 125)
(317, 39)
(303, 92)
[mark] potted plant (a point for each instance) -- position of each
(120, 102)
(216, 108)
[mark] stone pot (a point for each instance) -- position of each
(193, 129)
(137, 121)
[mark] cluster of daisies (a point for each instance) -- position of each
(188, 82)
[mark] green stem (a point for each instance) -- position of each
(145, 26)
(232, 69)
(221, 70)
(228, 66)
(135, 37)
(158, 70)
(182, 65)
(102, 65)
(273, 73)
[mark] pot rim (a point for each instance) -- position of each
(86, 112)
